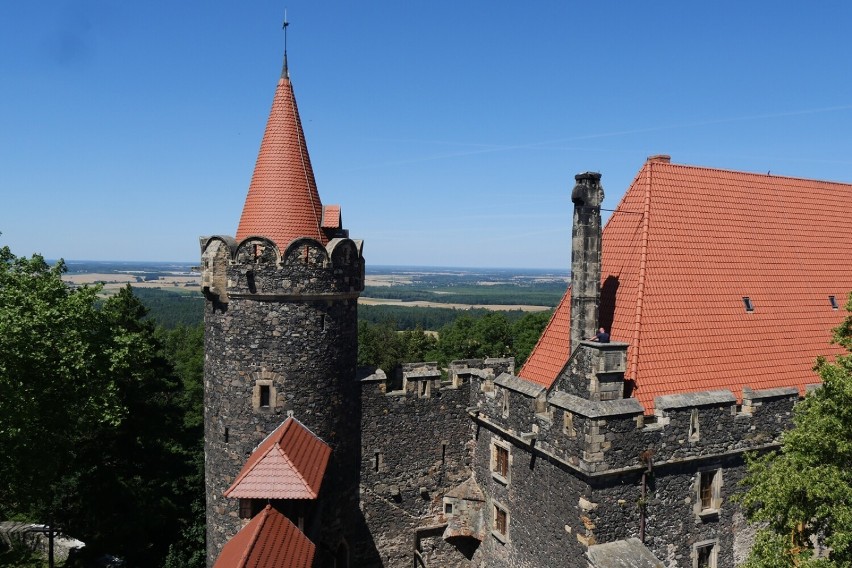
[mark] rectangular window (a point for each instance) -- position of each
(693, 426)
(749, 306)
(378, 462)
(264, 396)
(501, 461)
(705, 556)
(245, 508)
(501, 520)
(448, 508)
(505, 403)
(424, 389)
(709, 491)
(833, 301)
(568, 427)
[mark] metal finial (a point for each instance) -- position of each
(285, 72)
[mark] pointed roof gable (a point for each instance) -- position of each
(686, 245)
(269, 540)
(283, 202)
(288, 464)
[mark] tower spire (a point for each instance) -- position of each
(285, 72)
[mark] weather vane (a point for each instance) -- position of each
(286, 71)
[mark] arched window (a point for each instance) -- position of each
(341, 557)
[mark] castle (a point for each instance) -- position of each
(719, 289)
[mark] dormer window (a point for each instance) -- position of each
(833, 301)
(749, 306)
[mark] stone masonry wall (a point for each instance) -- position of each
(593, 460)
(414, 448)
(283, 328)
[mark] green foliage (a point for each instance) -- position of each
(804, 493)
(468, 336)
(539, 294)
(98, 433)
(382, 346)
(172, 308)
(21, 557)
(525, 334)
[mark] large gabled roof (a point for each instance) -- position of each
(685, 246)
(288, 464)
(283, 202)
(269, 540)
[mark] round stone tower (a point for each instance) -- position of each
(281, 328)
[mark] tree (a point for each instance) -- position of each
(525, 333)
(803, 493)
(93, 419)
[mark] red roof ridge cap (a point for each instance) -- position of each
(643, 260)
(298, 472)
(255, 535)
(748, 173)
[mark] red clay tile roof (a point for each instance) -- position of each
(331, 217)
(270, 540)
(288, 464)
(552, 349)
(282, 202)
(683, 248)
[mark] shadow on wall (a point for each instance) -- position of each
(609, 291)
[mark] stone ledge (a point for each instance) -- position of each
(686, 400)
(594, 409)
(780, 392)
(518, 384)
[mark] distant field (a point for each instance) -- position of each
(409, 296)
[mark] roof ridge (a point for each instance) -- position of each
(643, 259)
(247, 469)
(296, 470)
(255, 535)
(756, 174)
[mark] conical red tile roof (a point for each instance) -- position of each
(270, 540)
(282, 202)
(684, 247)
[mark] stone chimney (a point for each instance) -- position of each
(585, 256)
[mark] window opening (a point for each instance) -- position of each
(501, 461)
(749, 306)
(444, 453)
(341, 557)
(264, 396)
(448, 508)
(501, 520)
(568, 427)
(833, 301)
(246, 508)
(709, 490)
(704, 557)
(378, 461)
(505, 403)
(693, 426)
(424, 389)
(227, 434)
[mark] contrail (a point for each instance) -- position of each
(491, 148)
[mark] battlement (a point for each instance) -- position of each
(256, 268)
(608, 436)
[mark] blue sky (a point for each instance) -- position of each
(449, 132)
